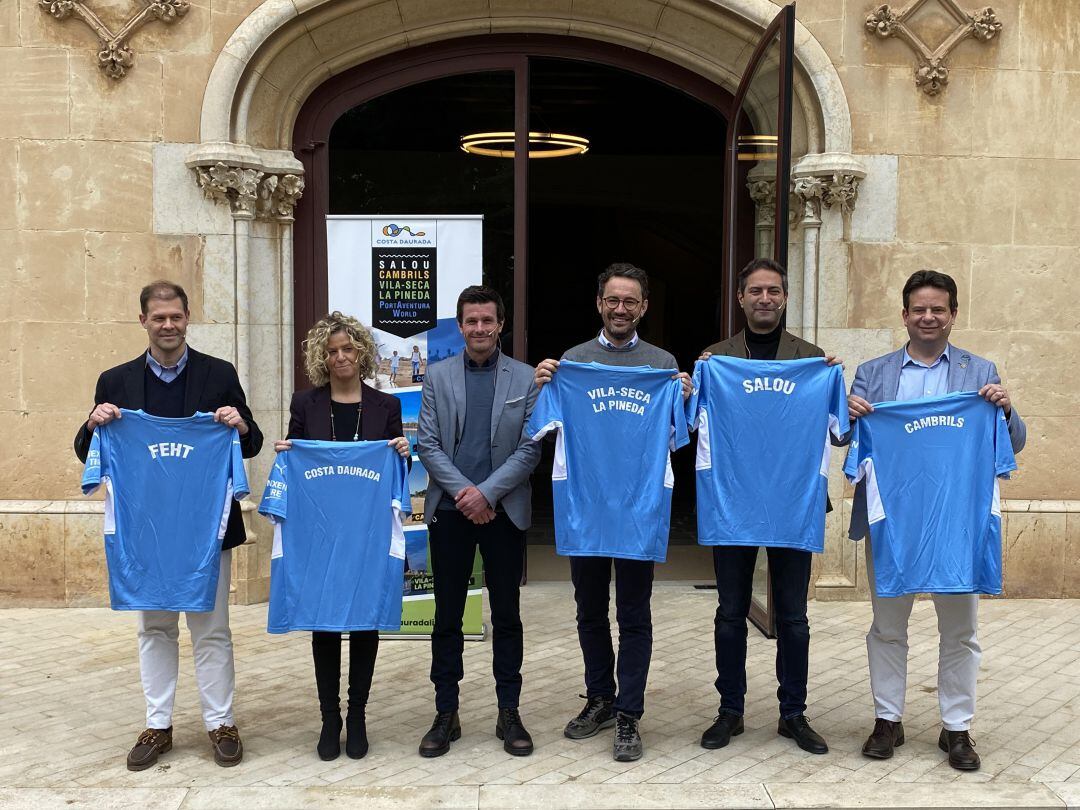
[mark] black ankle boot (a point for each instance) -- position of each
(356, 744)
(329, 746)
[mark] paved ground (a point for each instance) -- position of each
(70, 706)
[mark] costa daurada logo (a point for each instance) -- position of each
(393, 230)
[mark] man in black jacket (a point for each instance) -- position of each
(172, 380)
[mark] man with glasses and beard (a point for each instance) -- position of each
(622, 298)
(763, 296)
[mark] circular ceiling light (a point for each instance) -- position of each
(541, 144)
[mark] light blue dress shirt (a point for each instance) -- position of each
(607, 344)
(918, 380)
(166, 373)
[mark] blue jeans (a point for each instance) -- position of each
(789, 573)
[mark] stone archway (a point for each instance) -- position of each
(287, 48)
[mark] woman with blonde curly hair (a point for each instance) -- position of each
(339, 354)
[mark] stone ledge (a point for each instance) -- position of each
(961, 793)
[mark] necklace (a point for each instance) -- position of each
(356, 432)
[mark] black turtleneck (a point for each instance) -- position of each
(763, 347)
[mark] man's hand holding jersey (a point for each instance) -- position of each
(547, 368)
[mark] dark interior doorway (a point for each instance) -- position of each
(647, 192)
(383, 138)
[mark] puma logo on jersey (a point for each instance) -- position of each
(777, 384)
(170, 449)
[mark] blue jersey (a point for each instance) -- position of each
(612, 476)
(763, 449)
(339, 549)
(931, 468)
(168, 487)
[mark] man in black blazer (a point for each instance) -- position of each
(172, 380)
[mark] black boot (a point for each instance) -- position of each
(356, 744)
(329, 746)
(510, 729)
(444, 731)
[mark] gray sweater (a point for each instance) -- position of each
(643, 354)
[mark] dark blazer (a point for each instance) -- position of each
(211, 384)
(309, 414)
(790, 348)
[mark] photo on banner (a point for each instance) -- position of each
(401, 275)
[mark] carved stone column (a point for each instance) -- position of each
(238, 187)
(808, 193)
(265, 186)
(763, 193)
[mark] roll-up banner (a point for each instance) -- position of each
(400, 276)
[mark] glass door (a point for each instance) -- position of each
(757, 178)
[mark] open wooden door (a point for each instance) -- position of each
(757, 177)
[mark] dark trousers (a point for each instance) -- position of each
(326, 651)
(789, 573)
(454, 540)
(633, 612)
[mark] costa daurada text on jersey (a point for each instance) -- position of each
(339, 549)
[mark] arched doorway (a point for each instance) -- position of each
(557, 79)
(283, 52)
(384, 140)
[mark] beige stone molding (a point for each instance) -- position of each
(763, 193)
(260, 184)
(285, 48)
(115, 56)
(931, 74)
(829, 179)
(250, 193)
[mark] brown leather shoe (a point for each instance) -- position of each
(228, 750)
(886, 736)
(151, 742)
(960, 748)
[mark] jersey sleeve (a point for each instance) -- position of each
(93, 473)
(402, 492)
(695, 401)
(838, 409)
(240, 488)
(547, 415)
(401, 505)
(854, 468)
(275, 499)
(679, 435)
(1004, 458)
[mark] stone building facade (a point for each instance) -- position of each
(132, 149)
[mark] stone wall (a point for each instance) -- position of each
(977, 181)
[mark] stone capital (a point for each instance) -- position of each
(827, 179)
(763, 193)
(255, 183)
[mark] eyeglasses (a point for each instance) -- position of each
(613, 303)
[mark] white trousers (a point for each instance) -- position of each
(159, 658)
(959, 653)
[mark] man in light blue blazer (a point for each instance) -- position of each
(927, 366)
(472, 442)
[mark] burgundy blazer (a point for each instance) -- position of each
(309, 414)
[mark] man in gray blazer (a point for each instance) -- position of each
(472, 443)
(927, 366)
